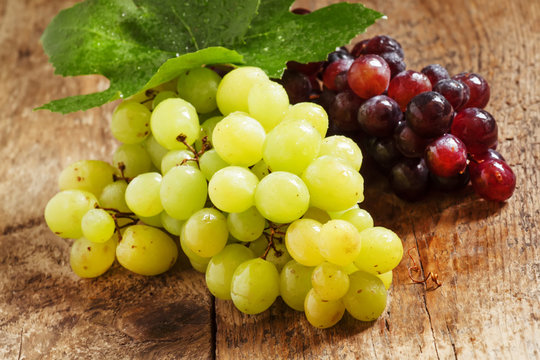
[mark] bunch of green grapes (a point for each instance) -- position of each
(259, 198)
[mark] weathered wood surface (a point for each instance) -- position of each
(486, 254)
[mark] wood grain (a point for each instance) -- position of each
(486, 254)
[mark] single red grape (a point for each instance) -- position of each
(446, 156)
(344, 110)
(479, 89)
(383, 44)
(369, 76)
(335, 74)
(493, 179)
(455, 91)
(476, 128)
(379, 116)
(406, 85)
(409, 179)
(408, 142)
(435, 73)
(429, 114)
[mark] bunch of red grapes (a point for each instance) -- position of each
(421, 128)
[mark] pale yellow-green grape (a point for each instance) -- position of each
(142, 194)
(343, 148)
(386, 278)
(65, 210)
(200, 266)
(291, 146)
(174, 117)
(339, 242)
(221, 268)
(192, 256)
(207, 129)
(280, 257)
(154, 221)
(301, 240)
(259, 246)
(89, 259)
(183, 191)
(146, 250)
(281, 197)
(351, 268)
(316, 214)
(97, 225)
(333, 185)
(294, 284)
(155, 151)
(366, 298)
(382, 250)
(260, 169)
(247, 225)
(210, 163)
(232, 189)
(239, 139)
(87, 175)
(233, 90)
(360, 218)
(130, 122)
(268, 102)
(330, 281)
(176, 158)
(199, 87)
(207, 116)
(113, 196)
(162, 95)
(143, 97)
(171, 224)
(206, 232)
(254, 286)
(135, 159)
(322, 313)
(311, 112)
(337, 214)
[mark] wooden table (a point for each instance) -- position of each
(486, 254)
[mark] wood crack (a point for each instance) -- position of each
(10, 229)
(452, 341)
(20, 346)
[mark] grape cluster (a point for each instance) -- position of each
(420, 128)
(248, 186)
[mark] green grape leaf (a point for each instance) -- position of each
(138, 44)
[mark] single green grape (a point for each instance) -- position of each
(233, 90)
(254, 286)
(65, 210)
(258, 246)
(171, 224)
(268, 102)
(174, 117)
(337, 214)
(162, 95)
(154, 220)
(210, 163)
(206, 232)
(311, 112)
(330, 281)
(146, 250)
(177, 158)
(316, 214)
(247, 225)
(278, 254)
(199, 87)
(366, 298)
(134, 158)
(130, 122)
(142, 194)
(360, 218)
(89, 259)
(322, 313)
(382, 250)
(232, 189)
(301, 240)
(200, 266)
(183, 191)
(342, 148)
(155, 151)
(260, 169)
(87, 175)
(207, 129)
(294, 284)
(191, 255)
(386, 278)
(97, 225)
(113, 196)
(339, 242)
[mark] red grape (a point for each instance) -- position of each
(479, 89)
(446, 156)
(408, 142)
(406, 85)
(435, 73)
(379, 116)
(476, 128)
(369, 76)
(493, 179)
(331, 75)
(429, 114)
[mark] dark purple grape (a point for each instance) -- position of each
(395, 62)
(297, 85)
(409, 179)
(344, 110)
(340, 53)
(358, 49)
(326, 99)
(476, 128)
(446, 156)
(479, 89)
(435, 73)
(383, 151)
(455, 91)
(493, 179)
(383, 44)
(406, 85)
(450, 183)
(379, 116)
(408, 142)
(429, 114)
(309, 69)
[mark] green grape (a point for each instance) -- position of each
(206, 232)
(154, 221)
(155, 151)
(337, 214)
(386, 278)
(171, 224)
(97, 225)
(350, 268)
(260, 169)
(210, 163)
(234, 88)
(89, 259)
(301, 241)
(322, 313)
(162, 95)
(142, 194)
(232, 189)
(259, 246)
(171, 118)
(342, 148)
(221, 268)
(313, 113)
(239, 139)
(113, 196)
(333, 185)
(281, 197)
(146, 250)
(294, 284)
(339, 242)
(330, 281)
(254, 286)
(200, 266)
(135, 159)
(291, 146)
(183, 191)
(207, 129)
(366, 298)
(176, 158)
(130, 122)
(360, 218)
(87, 175)
(199, 87)
(143, 97)
(280, 257)
(317, 214)
(382, 250)
(170, 85)
(192, 256)
(268, 102)
(247, 225)
(65, 210)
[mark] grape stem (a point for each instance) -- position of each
(433, 276)
(117, 214)
(271, 231)
(197, 154)
(122, 168)
(150, 94)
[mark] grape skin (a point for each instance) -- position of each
(88, 259)
(65, 210)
